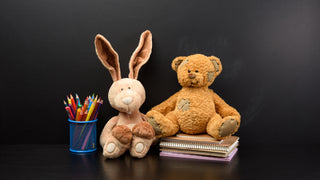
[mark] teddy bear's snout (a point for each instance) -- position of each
(192, 76)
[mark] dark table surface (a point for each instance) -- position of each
(251, 162)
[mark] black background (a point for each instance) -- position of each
(270, 52)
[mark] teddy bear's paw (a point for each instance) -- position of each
(140, 146)
(143, 130)
(122, 133)
(151, 117)
(113, 148)
(228, 127)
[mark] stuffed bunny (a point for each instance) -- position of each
(130, 129)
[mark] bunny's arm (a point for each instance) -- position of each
(168, 105)
(107, 129)
(224, 109)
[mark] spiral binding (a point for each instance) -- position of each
(197, 146)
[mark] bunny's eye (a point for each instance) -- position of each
(129, 87)
(121, 89)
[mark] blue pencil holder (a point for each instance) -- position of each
(83, 136)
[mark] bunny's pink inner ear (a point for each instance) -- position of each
(141, 55)
(108, 56)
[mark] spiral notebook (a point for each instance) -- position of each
(202, 144)
(197, 157)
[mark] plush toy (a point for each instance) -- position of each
(195, 108)
(130, 129)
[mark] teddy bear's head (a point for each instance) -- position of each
(196, 70)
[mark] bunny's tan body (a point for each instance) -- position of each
(130, 129)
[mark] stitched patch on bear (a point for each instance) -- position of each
(155, 125)
(184, 104)
(216, 65)
(228, 127)
(210, 76)
(184, 62)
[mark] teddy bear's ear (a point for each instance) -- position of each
(217, 64)
(177, 62)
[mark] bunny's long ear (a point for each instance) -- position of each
(141, 55)
(108, 56)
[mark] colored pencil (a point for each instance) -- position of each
(78, 100)
(78, 114)
(85, 105)
(91, 109)
(65, 104)
(96, 114)
(68, 112)
(84, 116)
(71, 115)
(72, 111)
(73, 103)
(69, 100)
(95, 110)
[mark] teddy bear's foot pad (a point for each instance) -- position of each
(228, 127)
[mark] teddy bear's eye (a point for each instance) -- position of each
(189, 71)
(129, 87)
(121, 89)
(196, 71)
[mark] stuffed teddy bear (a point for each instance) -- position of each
(130, 129)
(195, 108)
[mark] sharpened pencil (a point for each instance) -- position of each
(65, 104)
(73, 103)
(95, 110)
(91, 109)
(96, 114)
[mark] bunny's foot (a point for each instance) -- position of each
(118, 143)
(143, 136)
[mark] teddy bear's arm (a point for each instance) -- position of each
(168, 105)
(223, 108)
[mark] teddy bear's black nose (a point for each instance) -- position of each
(192, 76)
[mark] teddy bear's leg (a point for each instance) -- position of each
(163, 125)
(222, 128)
(143, 136)
(118, 142)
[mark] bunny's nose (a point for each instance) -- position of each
(127, 100)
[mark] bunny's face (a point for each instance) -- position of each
(126, 95)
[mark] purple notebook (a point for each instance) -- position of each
(208, 158)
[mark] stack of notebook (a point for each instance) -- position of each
(201, 146)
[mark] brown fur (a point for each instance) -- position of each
(195, 108)
(144, 130)
(122, 133)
